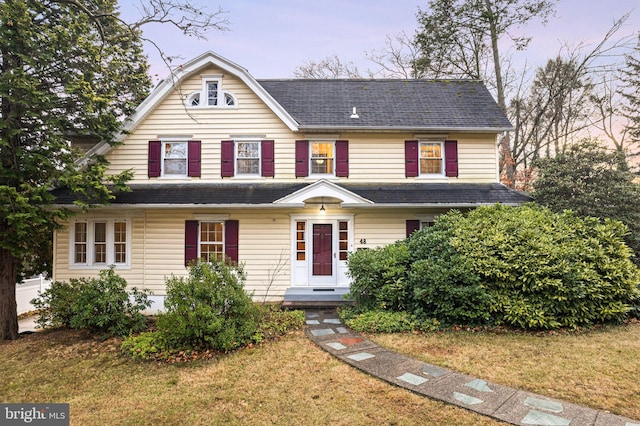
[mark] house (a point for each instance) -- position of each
(285, 176)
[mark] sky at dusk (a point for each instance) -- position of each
(271, 38)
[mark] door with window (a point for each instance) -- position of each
(320, 252)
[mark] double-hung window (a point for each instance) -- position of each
(322, 156)
(100, 242)
(211, 241)
(174, 158)
(431, 158)
(248, 157)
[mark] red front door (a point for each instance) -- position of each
(322, 249)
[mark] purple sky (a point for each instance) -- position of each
(272, 37)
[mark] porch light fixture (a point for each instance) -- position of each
(322, 209)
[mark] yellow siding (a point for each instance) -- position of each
(378, 157)
(157, 246)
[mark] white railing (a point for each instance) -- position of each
(28, 290)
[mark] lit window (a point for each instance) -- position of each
(300, 241)
(321, 158)
(174, 158)
(248, 157)
(211, 241)
(431, 158)
(100, 242)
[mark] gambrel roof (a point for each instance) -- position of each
(416, 105)
(303, 105)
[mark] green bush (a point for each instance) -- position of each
(99, 304)
(144, 346)
(520, 266)
(54, 304)
(382, 322)
(379, 277)
(208, 309)
(104, 305)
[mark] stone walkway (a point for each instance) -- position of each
(496, 401)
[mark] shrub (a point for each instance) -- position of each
(144, 346)
(521, 266)
(54, 304)
(209, 308)
(379, 277)
(99, 304)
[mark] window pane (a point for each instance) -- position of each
(431, 158)
(120, 240)
(322, 158)
(80, 247)
(248, 167)
(175, 158)
(211, 242)
(248, 155)
(100, 242)
(212, 93)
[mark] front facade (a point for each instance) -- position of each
(284, 176)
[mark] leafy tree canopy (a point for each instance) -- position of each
(69, 71)
(591, 181)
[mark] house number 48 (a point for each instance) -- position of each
(363, 241)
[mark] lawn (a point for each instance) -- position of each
(292, 381)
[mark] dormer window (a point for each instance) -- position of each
(211, 95)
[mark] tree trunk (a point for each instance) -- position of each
(8, 307)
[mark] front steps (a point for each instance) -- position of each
(316, 297)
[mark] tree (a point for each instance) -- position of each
(69, 70)
(631, 79)
(464, 39)
(328, 68)
(591, 181)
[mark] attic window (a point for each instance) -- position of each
(194, 99)
(211, 95)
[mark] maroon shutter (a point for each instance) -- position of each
(227, 159)
(302, 158)
(194, 158)
(342, 158)
(155, 154)
(412, 226)
(190, 241)
(268, 169)
(411, 158)
(451, 158)
(231, 229)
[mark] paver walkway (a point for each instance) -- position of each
(500, 402)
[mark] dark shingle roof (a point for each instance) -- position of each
(229, 194)
(389, 104)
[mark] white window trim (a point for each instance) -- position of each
(440, 175)
(235, 159)
(221, 99)
(89, 264)
(333, 149)
(224, 243)
(163, 174)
